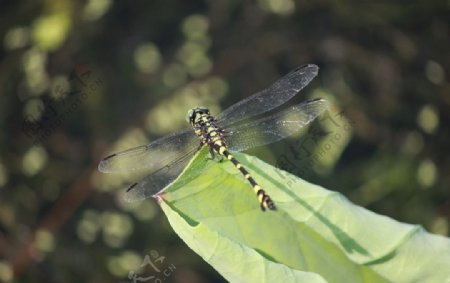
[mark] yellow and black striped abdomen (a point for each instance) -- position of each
(264, 199)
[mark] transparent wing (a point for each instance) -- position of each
(152, 156)
(158, 180)
(274, 128)
(277, 94)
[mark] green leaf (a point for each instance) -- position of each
(316, 235)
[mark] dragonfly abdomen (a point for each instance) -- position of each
(264, 199)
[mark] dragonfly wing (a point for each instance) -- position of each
(151, 156)
(156, 182)
(277, 94)
(274, 128)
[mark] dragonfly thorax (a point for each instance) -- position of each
(194, 115)
(205, 127)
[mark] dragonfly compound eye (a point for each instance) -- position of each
(190, 116)
(202, 110)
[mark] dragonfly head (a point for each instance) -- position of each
(196, 112)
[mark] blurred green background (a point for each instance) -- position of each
(81, 79)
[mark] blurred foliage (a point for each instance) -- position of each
(81, 79)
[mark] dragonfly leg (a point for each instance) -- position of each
(212, 153)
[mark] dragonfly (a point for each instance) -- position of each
(230, 131)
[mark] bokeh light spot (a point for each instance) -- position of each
(116, 228)
(95, 9)
(33, 63)
(145, 211)
(280, 7)
(115, 268)
(6, 272)
(50, 31)
(195, 26)
(428, 119)
(44, 240)
(60, 87)
(33, 110)
(194, 57)
(427, 173)
(89, 226)
(34, 160)
(435, 72)
(147, 58)
(129, 260)
(16, 37)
